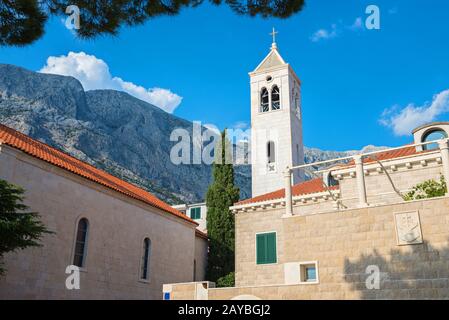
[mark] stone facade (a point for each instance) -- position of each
(117, 228)
(187, 209)
(200, 263)
(344, 244)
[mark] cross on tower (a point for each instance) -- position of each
(273, 34)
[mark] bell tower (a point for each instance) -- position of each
(276, 125)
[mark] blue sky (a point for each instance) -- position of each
(348, 79)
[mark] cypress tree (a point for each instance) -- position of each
(220, 221)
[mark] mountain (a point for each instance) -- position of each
(113, 131)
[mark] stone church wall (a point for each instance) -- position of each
(117, 228)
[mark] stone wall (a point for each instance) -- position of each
(201, 249)
(378, 187)
(117, 228)
(344, 244)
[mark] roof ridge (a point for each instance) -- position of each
(61, 159)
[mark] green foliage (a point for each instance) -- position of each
(427, 189)
(18, 229)
(220, 221)
(23, 21)
(226, 281)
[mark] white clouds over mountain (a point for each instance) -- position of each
(93, 73)
(403, 120)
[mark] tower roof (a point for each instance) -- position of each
(273, 59)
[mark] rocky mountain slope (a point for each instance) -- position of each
(111, 130)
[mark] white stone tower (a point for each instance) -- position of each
(276, 126)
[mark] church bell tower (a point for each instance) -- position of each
(276, 126)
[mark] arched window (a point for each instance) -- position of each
(145, 265)
(264, 101)
(433, 135)
(79, 258)
(275, 98)
(271, 153)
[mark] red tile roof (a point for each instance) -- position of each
(310, 186)
(388, 155)
(60, 159)
(316, 185)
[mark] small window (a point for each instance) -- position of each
(79, 258)
(275, 98)
(271, 152)
(432, 136)
(264, 100)
(308, 272)
(266, 248)
(145, 272)
(195, 213)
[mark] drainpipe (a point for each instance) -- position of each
(444, 150)
(288, 193)
(360, 175)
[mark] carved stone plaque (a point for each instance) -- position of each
(408, 228)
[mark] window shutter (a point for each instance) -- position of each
(266, 248)
(195, 213)
(271, 248)
(260, 248)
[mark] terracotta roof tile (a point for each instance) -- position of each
(60, 159)
(310, 186)
(388, 155)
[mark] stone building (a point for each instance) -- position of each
(349, 233)
(126, 241)
(196, 212)
(276, 124)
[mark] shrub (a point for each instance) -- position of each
(427, 189)
(226, 281)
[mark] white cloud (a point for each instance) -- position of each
(403, 121)
(357, 25)
(393, 10)
(337, 29)
(323, 34)
(242, 125)
(93, 73)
